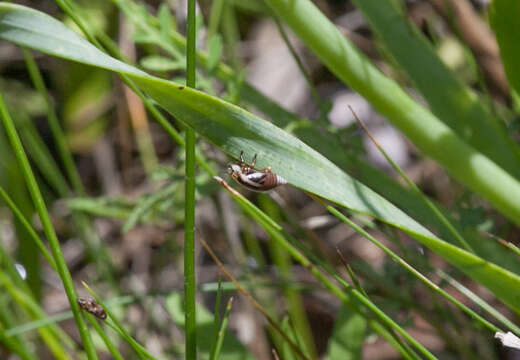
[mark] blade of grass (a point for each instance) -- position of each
(480, 302)
(25, 223)
(190, 283)
(36, 196)
(108, 343)
(222, 331)
(328, 146)
(216, 319)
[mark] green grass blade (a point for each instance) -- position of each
(216, 319)
(25, 223)
(480, 302)
(233, 129)
(222, 331)
(108, 343)
(190, 284)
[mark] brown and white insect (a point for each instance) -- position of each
(90, 305)
(256, 180)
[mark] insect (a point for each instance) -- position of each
(90, 305)
(256, 180)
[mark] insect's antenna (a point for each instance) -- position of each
(254, 161)
(242, 156)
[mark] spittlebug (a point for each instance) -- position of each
(91, 305)
(255, 180)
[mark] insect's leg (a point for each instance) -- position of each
(267, 169)
(254, 161)
(242, 156)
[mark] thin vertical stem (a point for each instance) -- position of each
(50, 234)
(189, 221)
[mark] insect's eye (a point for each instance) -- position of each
(230, 169)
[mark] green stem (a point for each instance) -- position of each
(189, 220)
(222, 331)
(54, 244)
(25, 223)
(108, 343)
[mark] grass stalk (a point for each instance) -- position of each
(108, 343)
(61, 264)
(216, 318)
(222, 331)
(25, 223)
(190, 283)
(480, 302)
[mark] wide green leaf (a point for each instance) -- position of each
(233, 129)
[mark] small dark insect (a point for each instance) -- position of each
(246, 175)
(91, 305)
